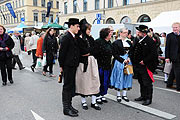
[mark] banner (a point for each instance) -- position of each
(48, 9)
(9, 6)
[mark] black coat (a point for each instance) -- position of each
(148, 55)
(50, 47)
(8, 43)
(69, 51)
(171, 50)
(118, 50)
(104, 55)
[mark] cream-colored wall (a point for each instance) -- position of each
(133, 11)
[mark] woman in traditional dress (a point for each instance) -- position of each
(104, 62)
(119, 80)
(87, 77)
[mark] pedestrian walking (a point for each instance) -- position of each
(50, 47)
(121, 52)
(26, 43)
(69, 54)
(87, 75)
(33, 47)
(145, 60)
(6, 46)
(17, 51)
(172, 54)
(104, 62)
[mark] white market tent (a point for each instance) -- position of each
(164, 21)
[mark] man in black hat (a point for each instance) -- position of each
(145, 61)
(69, 61)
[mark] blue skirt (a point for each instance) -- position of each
(118, 79)
(104, 76)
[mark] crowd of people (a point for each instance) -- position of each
(90, 67)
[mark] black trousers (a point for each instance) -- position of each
(34, 58)
(69, 86)
(6, 65)
(175, 74)
(146, 87)
(18, 61)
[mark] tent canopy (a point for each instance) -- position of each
(19, 28)
(164, 21)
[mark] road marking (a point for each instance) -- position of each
(144, 108)
(167, 90)
(36, 116)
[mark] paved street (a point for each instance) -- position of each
(37, 97)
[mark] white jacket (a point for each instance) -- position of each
(17, 46)
(33, 42)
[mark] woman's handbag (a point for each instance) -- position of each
(128, 69)
(167, 67)
(44, 61)
(39, 63)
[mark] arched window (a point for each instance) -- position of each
(144, 18)
(125, 19)
(110, 21)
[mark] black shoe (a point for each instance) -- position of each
(14, 68)
(99, 101)
(84, 106)
(73, 109)
(70, 113)
(95, 106)
(139, 99)
(32, 68)
(11, 81)
(22, 68)
(119, 99)
(170, 87)
(103, 99)
(4, 83)
(147, 102)
(125, 98)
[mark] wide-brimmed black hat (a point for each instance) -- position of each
(73, 21)
(142, 28)
(83, 22)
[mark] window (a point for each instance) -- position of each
(125, 2)
(74, 6)
(17, 17)
(19, 3)
(51, 16)
(3, 8)
(84, 5)
(11, 19)
(22, 2)
(96, 4)
(57, 4)
(36, 17)
(13, 4)
(16, 4)
(51, 4)
(65, 7)
(43, 3)
(110, 3)
(43, 17)
(143, 1)
(34, 2)
(57, 19)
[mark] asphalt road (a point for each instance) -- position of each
(37, 97)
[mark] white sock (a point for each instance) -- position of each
(99, 97)
(118, 93)
(83, 99)
(124, 93)
(165, 77)
(93, 97)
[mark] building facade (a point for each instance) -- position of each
(33, 12)
(115, 11)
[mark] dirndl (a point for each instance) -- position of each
(118, 79)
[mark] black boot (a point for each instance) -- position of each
(73, 109)
(139, 99)
(147, 102)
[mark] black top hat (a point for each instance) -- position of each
(142, 28)
(72, 21)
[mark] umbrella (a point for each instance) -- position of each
(54, 25)
(18, 28)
